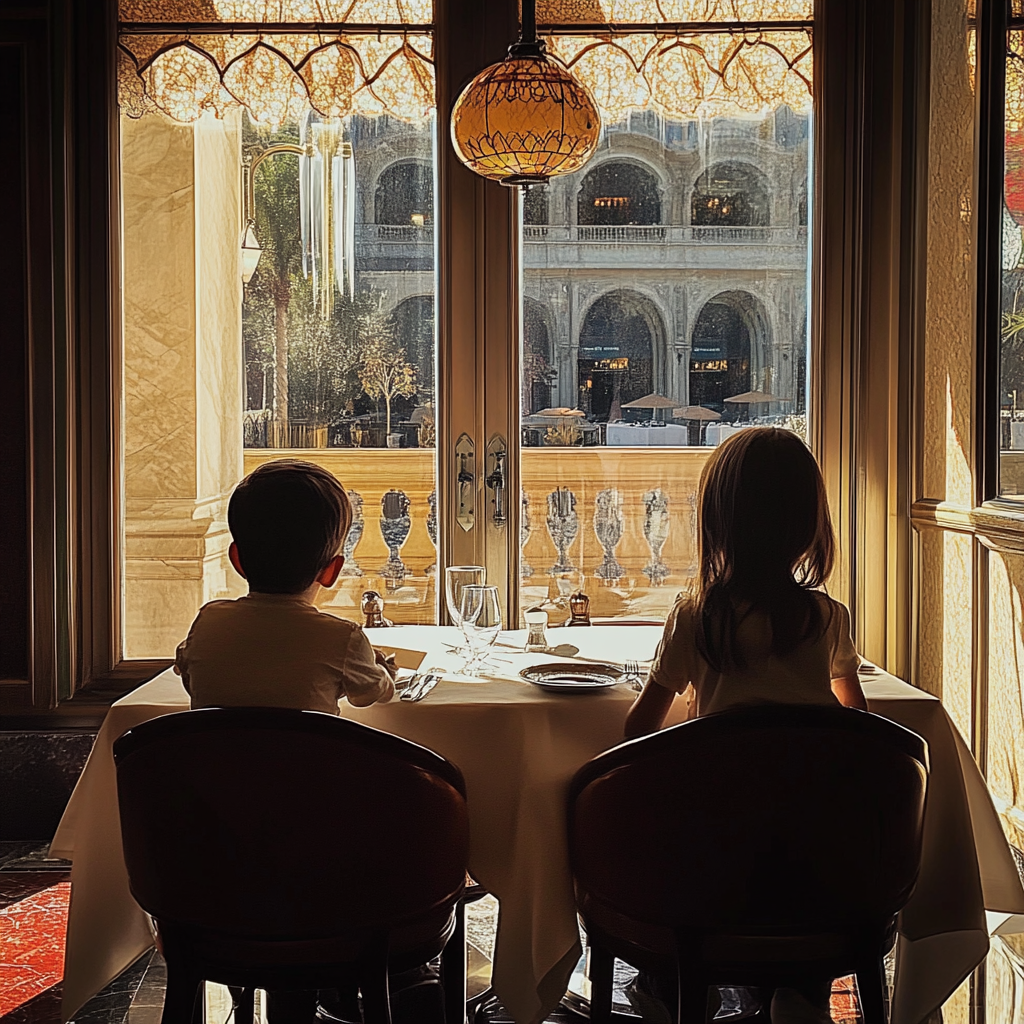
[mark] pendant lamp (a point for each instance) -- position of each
(525, 120)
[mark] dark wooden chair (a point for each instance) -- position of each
(283, 849)
(764, 846)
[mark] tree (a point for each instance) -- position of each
(324, 355)
(276, 193)
(258, 317)
(385, 372)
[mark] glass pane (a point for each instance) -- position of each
(377, 12)
(949, 336)
(1011, 384)
(326, 351)
(664, 307)
(632, 12)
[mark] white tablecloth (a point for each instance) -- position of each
(518, 747)
(633, 435)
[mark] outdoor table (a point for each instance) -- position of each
(518, 747)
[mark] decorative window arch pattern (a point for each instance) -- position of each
(186, 58)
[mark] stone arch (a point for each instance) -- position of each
(404, 194)
(731, 194)
(728, 347)
(619, 352)
(414, 331)
(619, 192)
(536, 205)
(538, 369)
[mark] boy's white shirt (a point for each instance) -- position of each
(278, 650)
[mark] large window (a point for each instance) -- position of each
(313, 158)
(1011, 363)
(665, 297)
(280, 281)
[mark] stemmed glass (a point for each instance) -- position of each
(456, 577)
(480, 619)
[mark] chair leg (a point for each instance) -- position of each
(871, 992)
(244, 1004)
(373, 984)
(453, 970)
(693, 1001)
(602, 976)
(181, 996)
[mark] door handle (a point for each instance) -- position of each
(465, 481)
(497, 480)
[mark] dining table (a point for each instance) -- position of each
(518, 746)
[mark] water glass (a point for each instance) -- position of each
(457, 577)
(480, 618)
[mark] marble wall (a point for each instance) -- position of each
(182, 371)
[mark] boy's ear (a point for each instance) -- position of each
(233, 555)
(328, 575)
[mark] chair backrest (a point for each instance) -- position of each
(277, 824)
(769, 818)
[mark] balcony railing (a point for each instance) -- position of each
(399, 232)
(644, 234)
(733, 234)
(621, 233)
(648, 234)
(621, 519)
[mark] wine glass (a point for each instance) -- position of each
(456, 577)
(480, 619)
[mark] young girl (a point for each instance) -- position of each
(756, 627)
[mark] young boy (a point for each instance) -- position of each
(273, 648)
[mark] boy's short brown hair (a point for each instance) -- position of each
(288, 519)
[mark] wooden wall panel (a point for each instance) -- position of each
(15, 562)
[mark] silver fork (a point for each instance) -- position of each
(428, 681)
(636, 674)
(410, 688)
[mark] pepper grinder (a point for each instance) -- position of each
(372, 607)
(579, 608)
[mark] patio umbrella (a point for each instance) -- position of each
(653, 401)
(701, 414)
(696, 412)
(755, 398)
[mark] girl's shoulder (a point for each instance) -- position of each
(835, 616)
(685, 608)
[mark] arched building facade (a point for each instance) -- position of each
(675, 262)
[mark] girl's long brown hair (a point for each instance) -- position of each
(765, 541)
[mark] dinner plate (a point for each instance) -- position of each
(573, 676)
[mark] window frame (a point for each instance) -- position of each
(854, 304)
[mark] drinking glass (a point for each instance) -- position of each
(480, 619)
(456, 577)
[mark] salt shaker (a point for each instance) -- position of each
(536, 620)
(372, 607)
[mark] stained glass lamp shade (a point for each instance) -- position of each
(525, 120)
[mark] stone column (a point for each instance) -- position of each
(183, 372)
